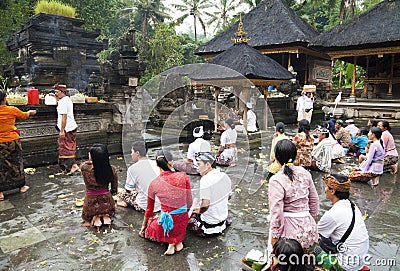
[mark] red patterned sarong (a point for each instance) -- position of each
(67, 150)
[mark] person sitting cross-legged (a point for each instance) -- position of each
(138, 179)
(211, 217)
(322, 153)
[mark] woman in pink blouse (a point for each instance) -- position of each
(391, 154)
(293, 200)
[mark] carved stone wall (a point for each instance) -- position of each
(39, 135)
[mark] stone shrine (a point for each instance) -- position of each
(54, 49)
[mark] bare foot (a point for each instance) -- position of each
(122, 203)
(86, 224)
(394, 168)
(170, 251)
(106, 220)
(179, 247)
(1, 196)
(24, 189)
(375, 181)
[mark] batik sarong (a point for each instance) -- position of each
(358, 176)
(12, 174)
(67, 150)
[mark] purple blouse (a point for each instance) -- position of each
(374, 161)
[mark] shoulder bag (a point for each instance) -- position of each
(326, 243)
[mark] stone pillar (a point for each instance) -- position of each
(352, 98)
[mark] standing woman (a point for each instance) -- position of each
(372, 167)
(12, 174)
(97, 175)
(304, 142)
(391, 156)
(293, 200)
(227, 153)
(175, 195)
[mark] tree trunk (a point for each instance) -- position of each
(195, 30)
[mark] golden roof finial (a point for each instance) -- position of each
(241, 34)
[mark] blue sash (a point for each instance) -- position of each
(165, 219)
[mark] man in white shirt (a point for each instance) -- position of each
(335, 222)
(198, 145)
(138, 179)
(67, 131)
(351, 128)
(251, 119)
(211, 217)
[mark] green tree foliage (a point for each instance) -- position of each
(251, 3)
(145, 13)
(101, 15)
(221, 16)
(159, 52)
(342, 75)
(14, 14)
(195, 8)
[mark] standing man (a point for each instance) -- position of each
(67, 131)
(251, 119)
(211, 217)
(308, 106)
(300, 107)
(343, 222)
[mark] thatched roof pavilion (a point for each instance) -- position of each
(371, 40)
(271, 24)
(277, 31)
(249, 62)
(240, 66)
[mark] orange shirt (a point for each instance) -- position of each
(8, 115)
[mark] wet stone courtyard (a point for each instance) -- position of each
(41, 229)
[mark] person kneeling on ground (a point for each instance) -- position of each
(138, 179)
(215, 191)
(173, 190)
(372, 167)
(343, 220)
(359, 142)
(198, 145)
(98, 174)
